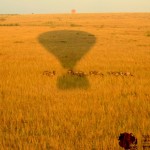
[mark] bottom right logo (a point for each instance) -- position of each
(129, 142)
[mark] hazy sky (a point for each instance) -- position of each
(65, 6)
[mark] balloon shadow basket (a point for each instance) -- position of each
(67, 82)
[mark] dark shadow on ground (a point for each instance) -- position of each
(68, 46)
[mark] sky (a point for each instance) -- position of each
(65, 6)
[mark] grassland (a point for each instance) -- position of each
(44, 112)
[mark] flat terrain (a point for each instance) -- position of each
(43, 106)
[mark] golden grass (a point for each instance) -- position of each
(35, 113)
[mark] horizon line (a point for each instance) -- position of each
(71, 13)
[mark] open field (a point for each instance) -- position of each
(39, 110)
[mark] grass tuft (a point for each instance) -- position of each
(148, 34)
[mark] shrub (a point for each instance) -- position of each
(10, 24)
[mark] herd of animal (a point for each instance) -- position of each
(90, 73)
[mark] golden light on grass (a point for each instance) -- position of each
(36, 114)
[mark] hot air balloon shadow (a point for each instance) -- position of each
(68, 46)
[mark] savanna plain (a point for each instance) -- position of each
(74, 81)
